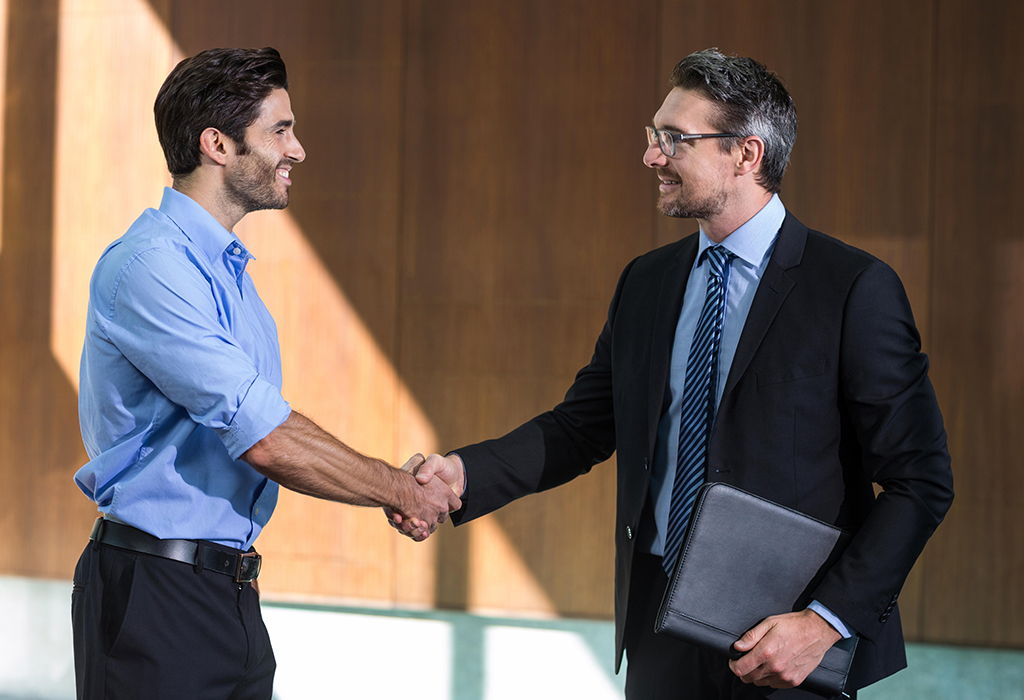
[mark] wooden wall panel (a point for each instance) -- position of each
(974, 588)
(39, 443)
(3, 101)
(473, 188)
(525, 198)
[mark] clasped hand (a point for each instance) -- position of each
(783, 649)
(434, 470)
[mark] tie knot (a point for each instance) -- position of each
(718, 257)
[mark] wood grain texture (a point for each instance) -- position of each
(973, 591)
(472, 190)
(3, 94)
(525, 198)
(39, 448)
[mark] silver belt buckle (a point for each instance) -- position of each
(247, 569)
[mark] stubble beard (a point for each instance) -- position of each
(253, 187)
(693, 207)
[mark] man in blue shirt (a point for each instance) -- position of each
(755, 352)
(181, 410)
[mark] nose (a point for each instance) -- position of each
(295, 151)
(653, 157)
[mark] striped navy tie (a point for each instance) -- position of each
(698, 405)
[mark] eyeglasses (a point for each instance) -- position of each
(666, 140)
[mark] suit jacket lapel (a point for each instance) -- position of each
(670, 303)
(775, 285)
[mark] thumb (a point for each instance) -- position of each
(425, 472)
(752, 636)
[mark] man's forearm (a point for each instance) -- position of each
(303, 457)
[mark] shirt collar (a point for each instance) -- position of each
(200, 227)
(752, 241)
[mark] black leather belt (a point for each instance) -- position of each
(242, 566)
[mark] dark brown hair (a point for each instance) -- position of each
(218, 88)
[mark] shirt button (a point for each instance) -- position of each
(257, 511)
(629, 532)
(237, 251)
(646, 467)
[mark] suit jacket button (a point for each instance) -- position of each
(629, 532)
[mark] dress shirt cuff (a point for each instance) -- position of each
(831, 619)
(258, 414)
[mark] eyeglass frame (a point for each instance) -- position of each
(654, 137)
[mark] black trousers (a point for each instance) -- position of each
(148, 627)
(660, 667)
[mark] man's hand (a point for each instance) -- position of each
(433, 469)
(448, 469)
(433, 500)
(783, 650)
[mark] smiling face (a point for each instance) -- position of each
(695, 181)
(260, 175)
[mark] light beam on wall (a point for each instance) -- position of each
(113, 57)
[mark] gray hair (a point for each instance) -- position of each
(750, 101)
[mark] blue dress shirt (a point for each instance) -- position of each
(752, 244)
(181, 374)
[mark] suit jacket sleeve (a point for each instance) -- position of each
(899, 434)
(552, 448)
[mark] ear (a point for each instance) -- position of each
(749, 155)
(216, 146)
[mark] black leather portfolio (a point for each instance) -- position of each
(744, 559)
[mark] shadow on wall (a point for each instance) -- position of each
(345, 99)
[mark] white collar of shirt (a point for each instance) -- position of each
(752, 241)
(200, 227)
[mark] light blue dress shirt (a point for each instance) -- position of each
(752, 244)
(181, 374)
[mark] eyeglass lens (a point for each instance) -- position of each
(663, 139)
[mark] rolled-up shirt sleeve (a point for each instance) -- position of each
(165, 319)
(259, 413)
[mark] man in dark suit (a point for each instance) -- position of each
(755, 352)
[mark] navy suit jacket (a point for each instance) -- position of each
(828, 393)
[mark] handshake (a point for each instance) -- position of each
(441, 481)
